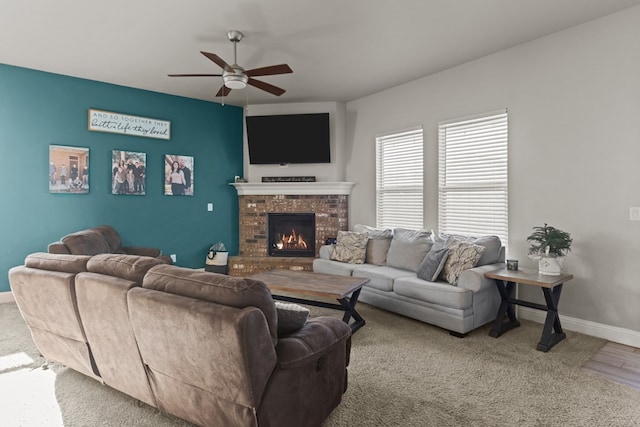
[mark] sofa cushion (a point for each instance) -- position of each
(235, 292)
(462, 256)
(432, 264)
(382, 277)
(408, 248)
(350, 247)
(129, 267)
(291, 317)
(57, 262)
(378, 243)
(86, 242)
(439, 293)
(112, 238)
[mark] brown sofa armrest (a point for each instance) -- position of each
(141, 250)
(316, 338)
(57, 248)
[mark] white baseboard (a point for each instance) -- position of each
(6, 297)
(611, 333)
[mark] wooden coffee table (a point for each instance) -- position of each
(306, 284)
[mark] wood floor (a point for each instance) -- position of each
(617, 362)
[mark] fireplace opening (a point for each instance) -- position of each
(292, 234)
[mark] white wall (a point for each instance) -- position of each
(333, 172)
(574, 151)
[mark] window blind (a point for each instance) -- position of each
(399, 179)
(472, 176)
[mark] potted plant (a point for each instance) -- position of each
(549, 246)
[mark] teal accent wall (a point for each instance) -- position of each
(39, 109)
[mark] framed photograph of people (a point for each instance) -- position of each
(68, 169)
(178, 175)
(128, 173)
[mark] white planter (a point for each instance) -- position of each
(550, 266)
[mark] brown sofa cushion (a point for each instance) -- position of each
(129, 267)
(57, 262)
(86, 242)
(236, 292)
(112, 238)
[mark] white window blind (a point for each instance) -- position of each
(472, 176)
(399, 179)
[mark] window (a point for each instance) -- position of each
(399, 179)
(472, 176)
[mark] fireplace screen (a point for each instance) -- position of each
(292, 234)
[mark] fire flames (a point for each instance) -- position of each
(291, 241)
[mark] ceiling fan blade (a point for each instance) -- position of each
(275, 90)
(269, 71)
(194, 75)
(215, 58)
(224, 91)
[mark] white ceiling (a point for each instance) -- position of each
(339, 50)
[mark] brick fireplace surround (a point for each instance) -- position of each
(329, 201)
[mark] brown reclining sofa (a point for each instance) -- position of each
(198, 345)
(100, 240)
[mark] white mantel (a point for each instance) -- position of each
(293, 188)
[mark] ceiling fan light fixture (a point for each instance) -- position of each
(236, 81)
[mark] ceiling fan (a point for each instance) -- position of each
(236, 77)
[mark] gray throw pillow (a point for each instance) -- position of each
(492, 245)
(408, 248)
(291, 317)
(378, 243)
(350, 247)
(433, 264)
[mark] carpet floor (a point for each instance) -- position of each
(402, 373)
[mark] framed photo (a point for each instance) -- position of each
(128, 173)
(68, 169)
(178, 175)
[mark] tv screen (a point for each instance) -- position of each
(289, 138)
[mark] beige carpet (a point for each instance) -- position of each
(402, 373)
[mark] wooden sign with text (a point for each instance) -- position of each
(107, 121)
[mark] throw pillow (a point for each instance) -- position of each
(433, 264)
(291, 317)
(377, 245)
(462, 256)
(492, 245)
(408, 248)
(492, 248)
(350, 247)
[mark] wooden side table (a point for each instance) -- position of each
(551, 288)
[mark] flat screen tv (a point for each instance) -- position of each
(288, 138)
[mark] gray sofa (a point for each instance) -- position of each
(202, 346)
(470, 302)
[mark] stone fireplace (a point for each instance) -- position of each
(327, 203)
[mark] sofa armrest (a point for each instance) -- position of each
(316, 338)
(57, 248)
(474, 279)
(326, 251)
(141, 250)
